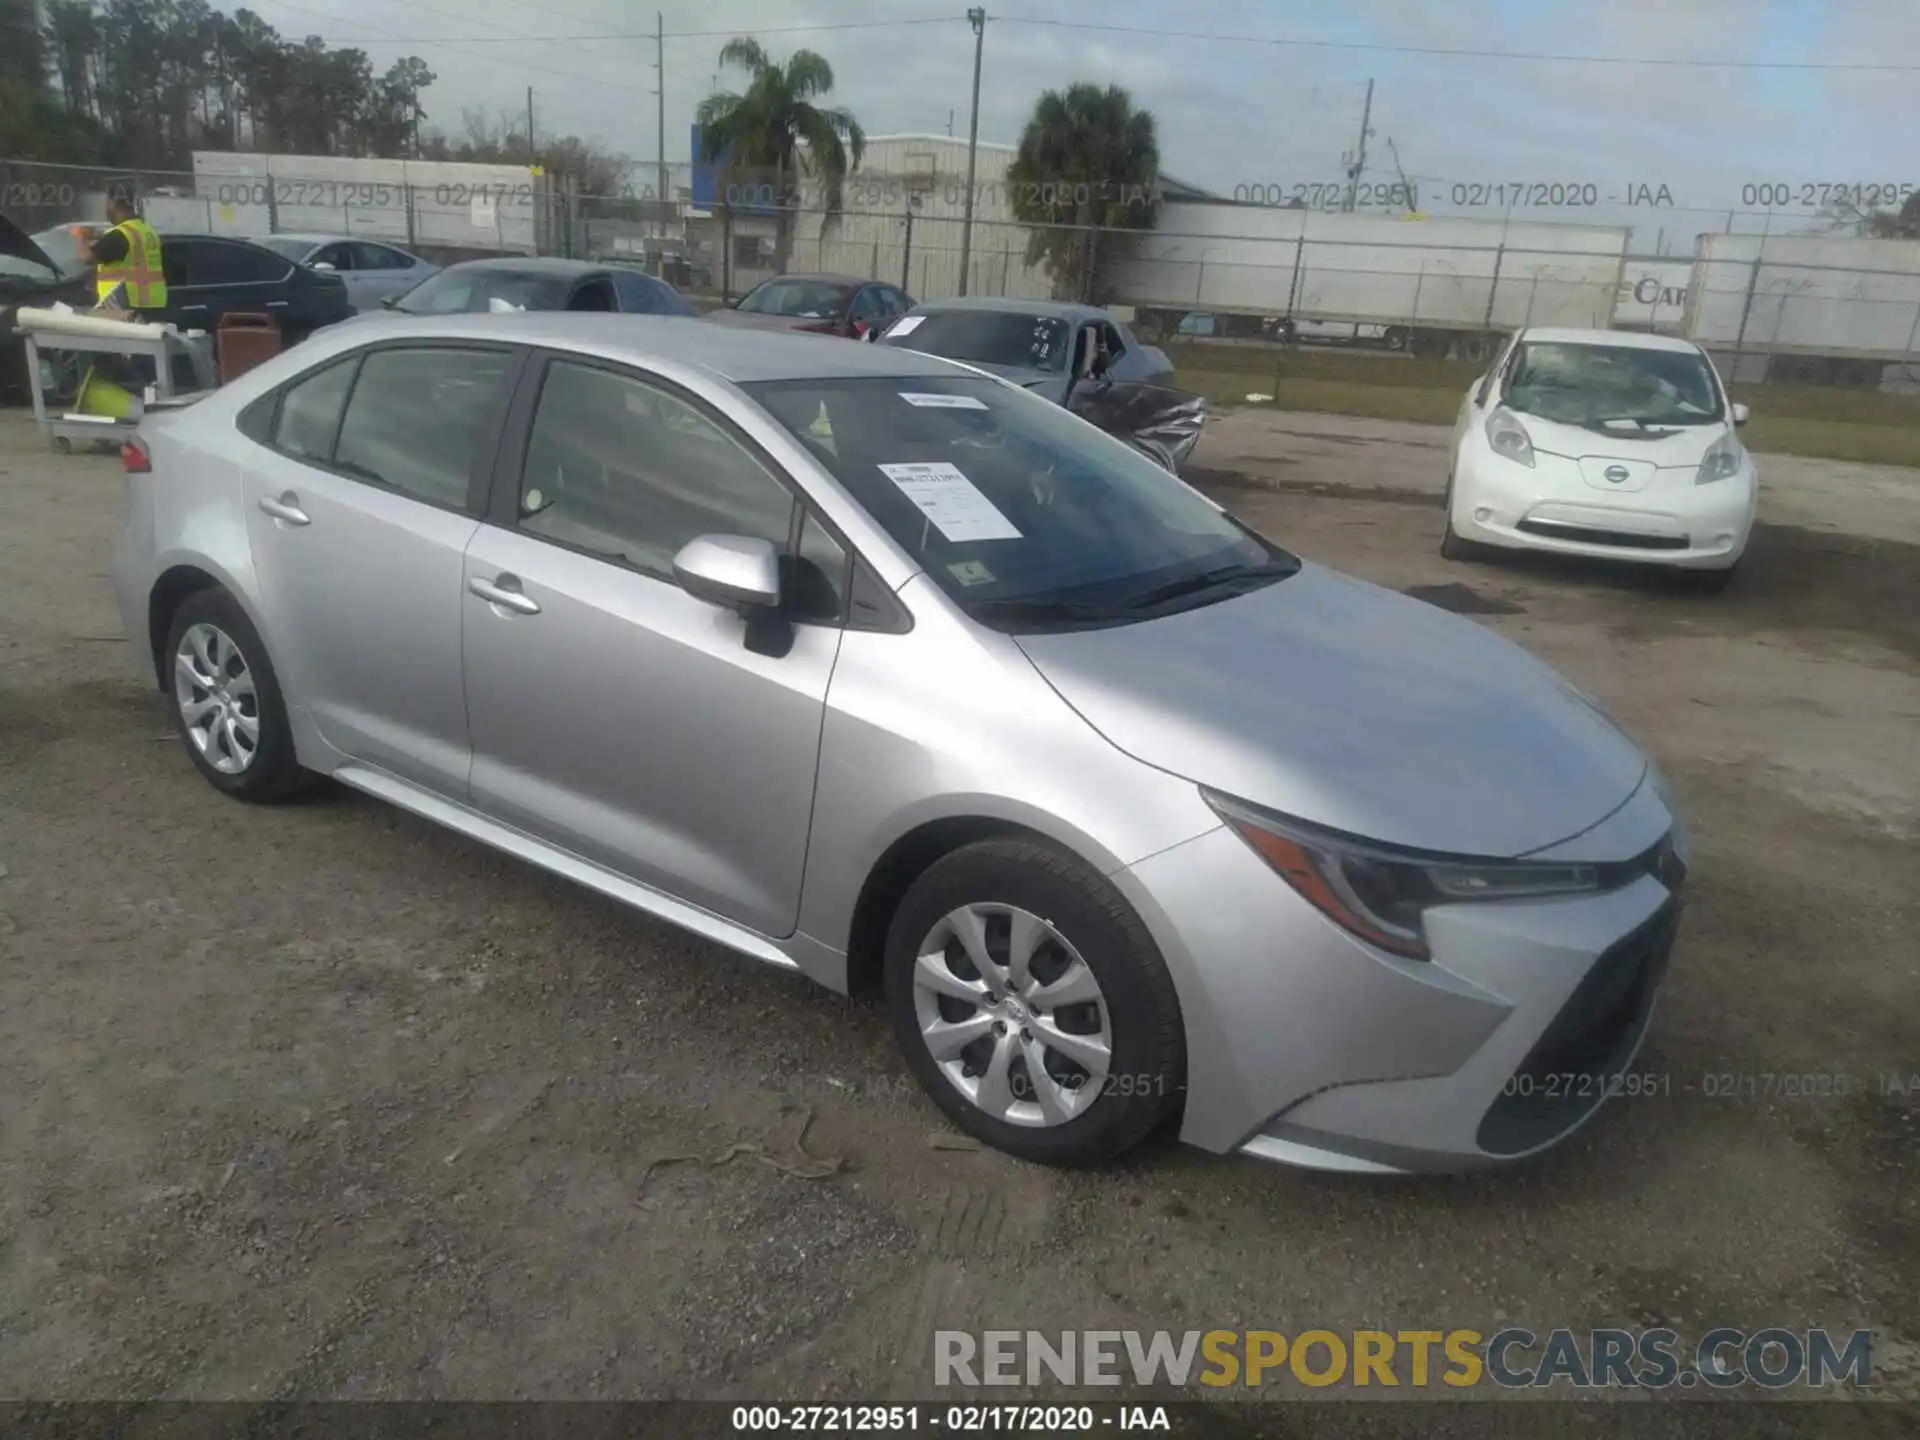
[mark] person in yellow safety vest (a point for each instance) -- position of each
(128, 255)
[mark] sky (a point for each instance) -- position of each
(1670, 148)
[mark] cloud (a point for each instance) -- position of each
(1235, 112)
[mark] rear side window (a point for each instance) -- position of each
(417, 418)
(310, 413)
(221, 262)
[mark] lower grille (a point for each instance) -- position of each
(1586, 535)
(1577, 1061)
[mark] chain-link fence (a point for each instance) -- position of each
(1778, 307)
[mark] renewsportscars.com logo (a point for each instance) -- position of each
(1513, 1358)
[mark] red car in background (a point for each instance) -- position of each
(818, 304)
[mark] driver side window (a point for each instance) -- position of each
(631, 473)
(593, 293)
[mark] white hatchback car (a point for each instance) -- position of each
(1602, 443)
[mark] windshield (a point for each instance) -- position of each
(64, 245)
(468, 292)
(985, 337)
(811, 299)
(295, 250)
(1603, 387)
(1023, 513)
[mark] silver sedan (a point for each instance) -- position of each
(372, 270)
(874, 667)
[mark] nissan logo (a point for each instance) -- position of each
(1616, 473)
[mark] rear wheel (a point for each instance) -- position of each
(1032, 1005)
(226, 700)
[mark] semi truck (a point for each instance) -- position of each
(1432, 285)
(1813, 309)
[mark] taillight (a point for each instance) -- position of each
(135, 458)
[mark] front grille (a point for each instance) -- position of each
(1587, 535)
(1576, 1061)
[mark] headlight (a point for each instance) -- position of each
(1509, 437)
(1382, 894)
(1723, 458)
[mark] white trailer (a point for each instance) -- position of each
(1431, 282)
(414, 203)
(1653, 294)
(1847, 306)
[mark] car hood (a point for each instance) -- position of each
(16, 242)
(20, 244)
(1680, 448)
(1354, 708)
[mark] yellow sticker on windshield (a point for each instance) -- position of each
(970, 572)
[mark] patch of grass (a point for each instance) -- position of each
(1814, 421)
(1312, 364)
(1332, 397)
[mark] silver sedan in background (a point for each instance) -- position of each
(867, 665)
(372, 269)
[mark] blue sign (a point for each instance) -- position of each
(711, 188)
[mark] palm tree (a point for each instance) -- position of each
(1087, 159)
(776, 129)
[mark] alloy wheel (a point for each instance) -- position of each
(219, 705)
(1012, 1015)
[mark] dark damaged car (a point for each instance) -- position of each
(36, 270)
(1078, 356)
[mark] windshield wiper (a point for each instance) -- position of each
(1040, 608)
(1206, 580)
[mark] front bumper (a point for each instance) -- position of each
(1551, 507)
(1307, 1046)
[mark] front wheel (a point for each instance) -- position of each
(1452, 545)
(1032, 1005)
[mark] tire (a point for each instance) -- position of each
(1708, 582)
(1452, 545)
(1085, 928)
(219, 641)
(1395, 338)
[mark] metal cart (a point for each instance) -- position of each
(160, 348)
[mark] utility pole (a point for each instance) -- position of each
(530, 159)
(976, 17)
(949, 124)
(660, 75)
(1360, 151)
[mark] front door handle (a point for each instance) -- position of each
(505, 592)
(286, 508)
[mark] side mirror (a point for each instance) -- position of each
(387, 302)
(1740, 413)
(732, 571)
(325, 267)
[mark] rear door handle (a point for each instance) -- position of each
(505, 592)
(286, 508)
(276, 304)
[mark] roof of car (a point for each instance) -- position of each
(827, 279)
(307, 237)
(1068, 310)
(740, 355)
(532, 265)
(1624, 339)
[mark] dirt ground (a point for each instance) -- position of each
(320, 1101)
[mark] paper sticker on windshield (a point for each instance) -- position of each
(951, 501)
(942, 402)
(971, 572)
(905, 326)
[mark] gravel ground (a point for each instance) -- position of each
(319, 1101)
